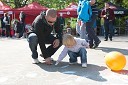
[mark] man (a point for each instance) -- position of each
(18, 28)
(3, 26)
(62, 21)
(7, 22)
(94, 41)
(22, 17)
(108, 15)
(85, 11)
(40, 33)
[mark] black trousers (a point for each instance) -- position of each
(46, 51)
(3, 32)
(91, 32)
(8, 31)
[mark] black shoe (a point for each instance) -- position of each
(110, 39)
(106, 40)
(97, 44)
(91, 46)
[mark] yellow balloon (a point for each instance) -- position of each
(115, 60)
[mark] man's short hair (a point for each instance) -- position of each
(107, 3)
(51, 12)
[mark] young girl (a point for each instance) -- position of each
(74, 47)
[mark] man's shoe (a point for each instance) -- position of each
(35, 61)
(96, 45)
(84, 65)
(110, 39)
(91, 46)
(106, 40)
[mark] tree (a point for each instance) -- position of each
(60, 4)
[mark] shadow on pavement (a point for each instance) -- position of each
(107, 50)
(120, 41)
(91, 72)
(123, 72)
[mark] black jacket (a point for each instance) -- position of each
(19, 27)
(43, 29)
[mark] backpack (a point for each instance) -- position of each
(84, 10)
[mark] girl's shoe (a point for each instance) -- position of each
(84, 65)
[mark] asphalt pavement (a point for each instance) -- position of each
(16, 66)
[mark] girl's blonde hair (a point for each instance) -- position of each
(68, 40)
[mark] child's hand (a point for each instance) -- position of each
(57, 62)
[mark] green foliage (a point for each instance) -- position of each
(60, 4)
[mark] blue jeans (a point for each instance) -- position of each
(81, 30)
(108, 29)
(83, 33)
(77, 28)
(33, 42)
(73, 55)
(102, 30)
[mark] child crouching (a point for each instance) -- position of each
(74, 47)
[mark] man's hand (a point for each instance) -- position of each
(56, 43)
(48, 61)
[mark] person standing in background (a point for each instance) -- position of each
(84, 14)
(108, 15)
(18, 28)
(22, 17)
(3, 26)
(102, 27)
(68, 28)
(62, 21)
(7, 22)
(87, 15)
(77, 28)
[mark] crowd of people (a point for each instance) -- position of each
(13, 28)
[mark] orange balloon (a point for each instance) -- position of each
(115, 60)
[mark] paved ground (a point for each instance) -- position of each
(16, 67)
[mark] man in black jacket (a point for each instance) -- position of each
(42, 27)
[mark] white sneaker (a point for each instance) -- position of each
(84, 65)
(35, 61)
